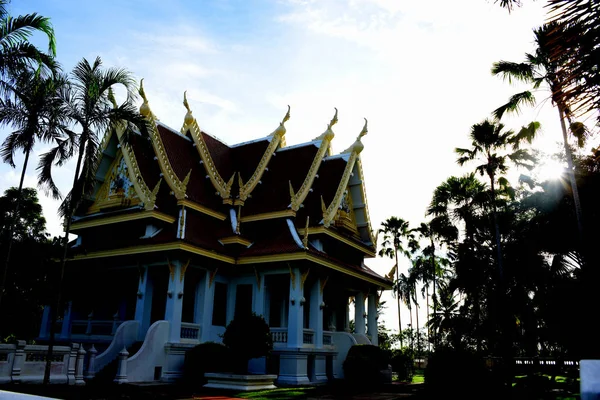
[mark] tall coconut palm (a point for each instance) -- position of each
(397, 237)
(35, 112)
(544, 69)
(487, 139)
(15, 50)
(426, 267)
(90, 107)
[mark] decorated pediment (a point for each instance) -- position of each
(118, 190)
(345, 217)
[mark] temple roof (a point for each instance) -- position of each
(256, 201)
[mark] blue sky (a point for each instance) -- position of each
(419, 71)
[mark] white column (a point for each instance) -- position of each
(44, 328)
(359, 313)
(295, 314)
(174, 306)
(259, 297)
(208, 297)
(372, 318)
(143, 305)
(346, 309)
(316, 313)
(65, 331)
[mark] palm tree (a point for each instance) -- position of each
(90, 106)
(487, 138)
(36, 113)
(395, 231)
(406, 288)
(15, 50)
(426, 267)
(544, 67)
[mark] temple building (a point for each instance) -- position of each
(184, 232)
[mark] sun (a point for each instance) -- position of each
(550, 169)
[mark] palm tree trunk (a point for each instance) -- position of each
(434, 296)
(417, 315)
(412, 337)
(54, 310)
(429, 327)
(497, 232)
(398, 299)
(11, 228)
(571, 173)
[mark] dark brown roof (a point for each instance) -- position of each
(288, 165)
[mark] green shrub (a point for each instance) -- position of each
(402, 362)
(206, 357)
(248, 337)
(458, 373)
(363, 365)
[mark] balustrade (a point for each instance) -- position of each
(327, 339)
(279, 335)
(308, 336)
(190, 332)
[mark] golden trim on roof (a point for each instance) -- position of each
(202, 209)
(326, 137)
(122, 218)
(276, 139)
(190, 124)
(177, 186)
(235, 240)
(330, 232)
(354, 150)
(364, 195)
(269, 215)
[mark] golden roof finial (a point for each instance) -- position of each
(328, 134)
(280, 131)
(334, 120)
(357, 146)
(364, 130)
(188, 116)
(144, 108)
(305, 238)
(286, 117)
(111, 97)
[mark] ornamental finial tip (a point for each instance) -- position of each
(141, 91)
(111, 97)
(334, 120)
(287, 116)
(185, 102)
(364, 130)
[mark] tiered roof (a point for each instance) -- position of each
(250, 203)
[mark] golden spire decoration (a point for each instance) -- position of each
(328, 134)
(305, 238)
(145, 107)
(280, 131)
(188, 116)
(291, 190)
(357, 146)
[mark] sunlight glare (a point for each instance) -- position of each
(550, 169)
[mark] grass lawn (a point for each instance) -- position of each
(279, 394)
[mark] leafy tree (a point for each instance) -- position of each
(16, 53)
(544, 68)
(91, 107)
(487, 139)
(35, 112)
(396, 232)
(29, 288)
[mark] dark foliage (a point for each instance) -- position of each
(206, 357)
(402, 362)
(363, 365)
(449, 370)
(248, 337)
